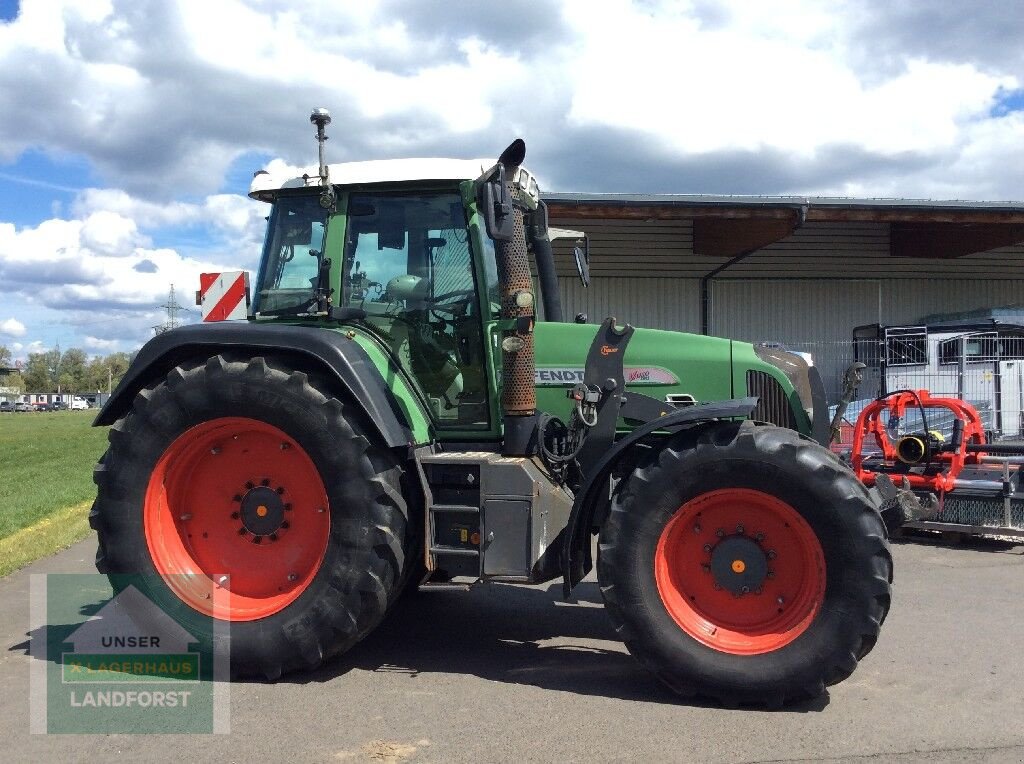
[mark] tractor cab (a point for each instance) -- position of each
(403, 261)
(404, 251)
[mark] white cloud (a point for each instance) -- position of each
(97, 343)
(12, 327)
(100, 273)
(869, 98)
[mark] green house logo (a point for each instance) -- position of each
(131, 640)
(128, 667)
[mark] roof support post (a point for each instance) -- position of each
(705, 282)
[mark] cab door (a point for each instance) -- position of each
(408, 264)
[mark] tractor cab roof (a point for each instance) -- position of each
(266, 184)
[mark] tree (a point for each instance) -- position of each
(5, 356)
(71, 370)
(40, 371)
(14, 382)
(117, 363)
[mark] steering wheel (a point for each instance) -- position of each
(469, 294)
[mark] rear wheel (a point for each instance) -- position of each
(745, 563)
(249, 476)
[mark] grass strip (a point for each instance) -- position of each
(51, 534)
(46, 462)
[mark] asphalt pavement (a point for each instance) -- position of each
(514, 674)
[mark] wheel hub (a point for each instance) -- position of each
(739, 565)
(262, 511)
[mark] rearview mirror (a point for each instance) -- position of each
(495, 203)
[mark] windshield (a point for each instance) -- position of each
(291, 260)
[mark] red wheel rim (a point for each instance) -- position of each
(236, 497)
(724, 541)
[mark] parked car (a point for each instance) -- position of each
(22, 406)
(6, 407)
(79, 404)
(42, 407)
(58, 406)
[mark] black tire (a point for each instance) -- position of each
(366, 560)
(783, 464)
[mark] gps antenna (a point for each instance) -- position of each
(322, 118)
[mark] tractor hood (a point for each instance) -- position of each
(669, 366)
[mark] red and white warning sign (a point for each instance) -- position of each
(224, 296)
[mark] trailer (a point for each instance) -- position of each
(977, 357)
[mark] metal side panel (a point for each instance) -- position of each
(506, 527)
(522, 512)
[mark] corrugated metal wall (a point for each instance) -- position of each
(812, 288)
(816, 284)
(666, 303)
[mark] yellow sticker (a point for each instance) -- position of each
(463, 535)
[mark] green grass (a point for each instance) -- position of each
(56, 531)
(46, 462)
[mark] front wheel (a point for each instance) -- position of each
(744, 563)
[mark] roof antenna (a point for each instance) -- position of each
(322, 118)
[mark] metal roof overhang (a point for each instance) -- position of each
(729, 226)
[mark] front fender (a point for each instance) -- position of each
(576, 557)
(331, 351)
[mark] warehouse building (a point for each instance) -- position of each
(799, 271)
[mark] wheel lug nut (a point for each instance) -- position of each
(739, 529)
(696, 528)
(759, 537)
(718, 587)
(720, 533)
(770, 574)
(235, 515)
(706, 568)
(285, 446)
(292, 577)
(771, 554)
(758, 590)
(215, 450)
(781, 600)
(280, 490)
(221, 580)
(707, 547)
(745, 590)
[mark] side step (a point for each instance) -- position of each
(443, 586)
(454, 518)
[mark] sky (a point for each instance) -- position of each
(130, 129)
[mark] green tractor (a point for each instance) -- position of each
(394, 415)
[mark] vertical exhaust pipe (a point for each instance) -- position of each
(519, 396)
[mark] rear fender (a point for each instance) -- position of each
(332, 352)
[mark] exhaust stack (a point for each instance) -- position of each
(519, 396)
